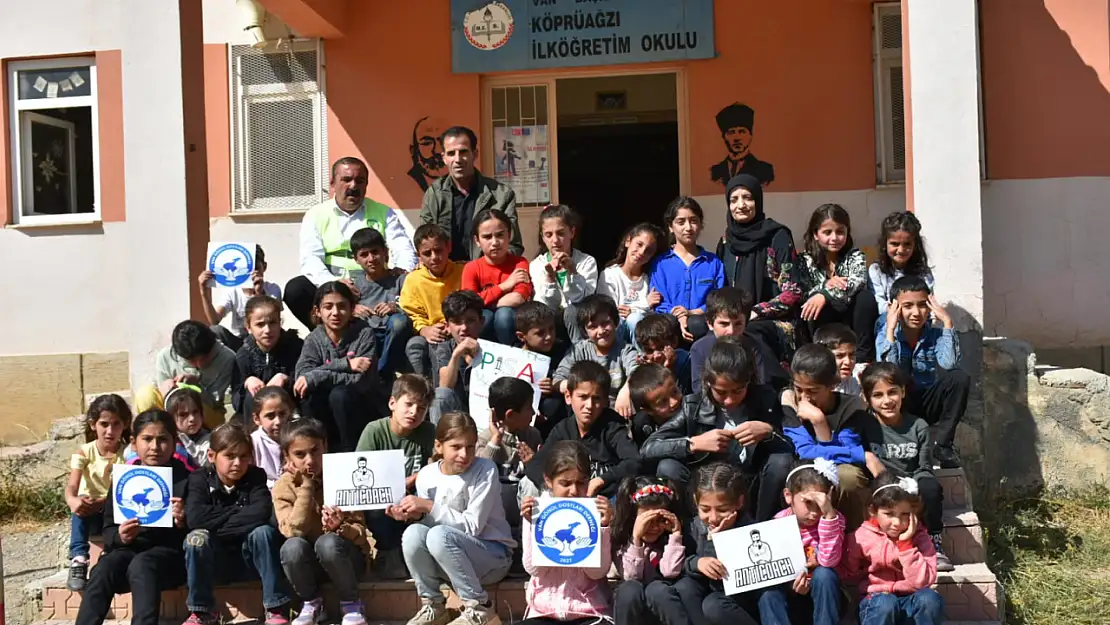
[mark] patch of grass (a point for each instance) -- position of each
(1052, 554)
(26, 500)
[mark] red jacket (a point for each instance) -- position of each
(884, 565)
(485, 279)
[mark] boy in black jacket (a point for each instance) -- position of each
(228, 511)
(268, 356)
(613, 455)
(141, 560)
(535, 328)
(655, 396)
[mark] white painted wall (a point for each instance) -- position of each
(62, 27)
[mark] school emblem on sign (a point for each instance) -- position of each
(489, 27)
(142, 494)
(231, 264)
(566, 532)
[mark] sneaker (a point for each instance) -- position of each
(431, 614)
(312, 612)
(352, 613)
(944, 564)
(279, 616)
(946, 457)
(202, 618)
(390, 564)
(477, 614)
(78, 574)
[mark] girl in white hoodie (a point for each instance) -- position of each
(562, 275)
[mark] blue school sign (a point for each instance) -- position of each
(506, 35)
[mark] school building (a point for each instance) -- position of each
(136, 131)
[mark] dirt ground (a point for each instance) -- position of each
(30, 553)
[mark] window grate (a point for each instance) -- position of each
(890, 30)
(897, 120)
(279, 124)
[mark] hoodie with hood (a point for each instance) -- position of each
(846, 422)
(881, 564)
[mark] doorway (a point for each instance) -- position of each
(618, 153)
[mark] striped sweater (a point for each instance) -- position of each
(825, 540)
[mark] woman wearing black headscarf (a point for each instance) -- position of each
(759, 257)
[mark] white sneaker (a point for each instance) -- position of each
(352, 613)
(431, 614)
(311, 614)
(477, 614)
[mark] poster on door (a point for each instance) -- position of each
(521, 162)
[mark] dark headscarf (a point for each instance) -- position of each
(749, 241)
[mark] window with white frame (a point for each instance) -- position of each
(889, 112)
(279, 127)
(54, 145)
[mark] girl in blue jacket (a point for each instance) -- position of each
(687, 273)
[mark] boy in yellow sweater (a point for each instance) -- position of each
(423, 293)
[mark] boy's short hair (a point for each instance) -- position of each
(728, 301)
(909, 284)
(430, 231)
(191, 339)
(588, 371)
(508, 393)
(532, 315)
(817, 363)
(655, 328)
(593, 306)
(835, 335)
(456, 304)
(412, 385)
(645, 379)
(367, 239)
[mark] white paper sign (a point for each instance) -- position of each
(142, 493)
(566, 533)
(494, 361)
(761, 554)
(364, 480)
(231, 263)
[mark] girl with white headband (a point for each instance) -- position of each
(894, 557)
(809, 493)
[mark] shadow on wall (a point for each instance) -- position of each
(1046, 116)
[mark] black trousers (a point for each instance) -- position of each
(943, 404)
(344, 409)
(145, 575)
(859, 314)
(656, 603)
(299, 294)
(932, 499)
(706, 603)
(766, 482)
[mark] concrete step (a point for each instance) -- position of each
(971, 593)
(956, 491)
(963, 537)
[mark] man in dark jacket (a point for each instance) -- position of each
(749, 437)
(230, 536)
(453, 200)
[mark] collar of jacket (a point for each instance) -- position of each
(445, 184)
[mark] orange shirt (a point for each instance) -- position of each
(485, 279)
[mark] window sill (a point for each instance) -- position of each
(75, 224)
(285, 215)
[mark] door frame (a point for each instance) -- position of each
(549, 79)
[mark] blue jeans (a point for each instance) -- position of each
(824, 594)
(444, 554)
(336, 557)
(499, 325)
(80, 529)
(392, 340)
(209, 562)
(924, 607)
(627, 327)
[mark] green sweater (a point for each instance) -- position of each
(418, 445)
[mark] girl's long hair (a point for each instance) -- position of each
(559, 211)
(625, 510)
(723, 478)
(454, 425)
(632, 233)
(679, 203)
(107, 403)
(824, 212)
(903, 221)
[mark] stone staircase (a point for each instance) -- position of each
(971, 593)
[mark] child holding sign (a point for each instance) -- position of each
(894, 556)
(647, 535)
(561, 594)
(141, 560)
(719, 494)
(316, 536)
(809, 493)
(461, 537)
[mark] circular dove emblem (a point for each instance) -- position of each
(566, 532)
(231, 265)
(142, 494)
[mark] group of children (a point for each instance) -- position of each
(659, 403)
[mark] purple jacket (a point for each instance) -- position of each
(648, 563)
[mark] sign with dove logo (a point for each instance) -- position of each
(142, 493)
(567, 533)
(231, 264)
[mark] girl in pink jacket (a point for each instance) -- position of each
(647, 538)
(810, 492)
(894, 557)
(558, 595)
